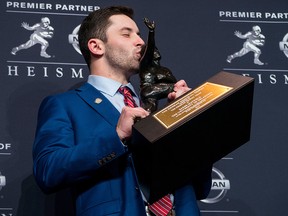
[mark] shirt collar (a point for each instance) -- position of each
(106, 85)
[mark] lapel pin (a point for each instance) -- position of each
(98, 100)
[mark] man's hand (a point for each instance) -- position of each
(179, 89)
(127, 119)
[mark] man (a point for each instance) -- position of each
(82, 135)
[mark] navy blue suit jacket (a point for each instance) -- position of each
(76, 146)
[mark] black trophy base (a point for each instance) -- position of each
(167, 153)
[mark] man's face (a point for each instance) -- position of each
(123, 46)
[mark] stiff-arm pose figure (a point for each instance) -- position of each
(156, 81)
(42, 31)
(253, 38)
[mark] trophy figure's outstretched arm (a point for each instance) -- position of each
(156, 81)
(148, 49)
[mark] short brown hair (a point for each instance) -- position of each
(95, 26)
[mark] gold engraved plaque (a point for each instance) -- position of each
(190, 103)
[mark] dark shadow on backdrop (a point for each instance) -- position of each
(22, 111)
(33, 202)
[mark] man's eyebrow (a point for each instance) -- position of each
(126, 29)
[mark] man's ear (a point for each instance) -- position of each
(96, 46)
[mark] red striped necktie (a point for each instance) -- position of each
(128, 98)
(161, 207)
(164, 205)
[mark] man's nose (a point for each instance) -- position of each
(140, 41)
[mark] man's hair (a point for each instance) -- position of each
(95, 26)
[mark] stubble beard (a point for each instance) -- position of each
(122, 60)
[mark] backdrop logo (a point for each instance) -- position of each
(219, 187)
(41, 32)
(284, 45)
(2, 181)
(253, 40)
(73, 39)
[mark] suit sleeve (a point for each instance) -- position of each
(68, 148)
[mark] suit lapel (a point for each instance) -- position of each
(99, 102)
